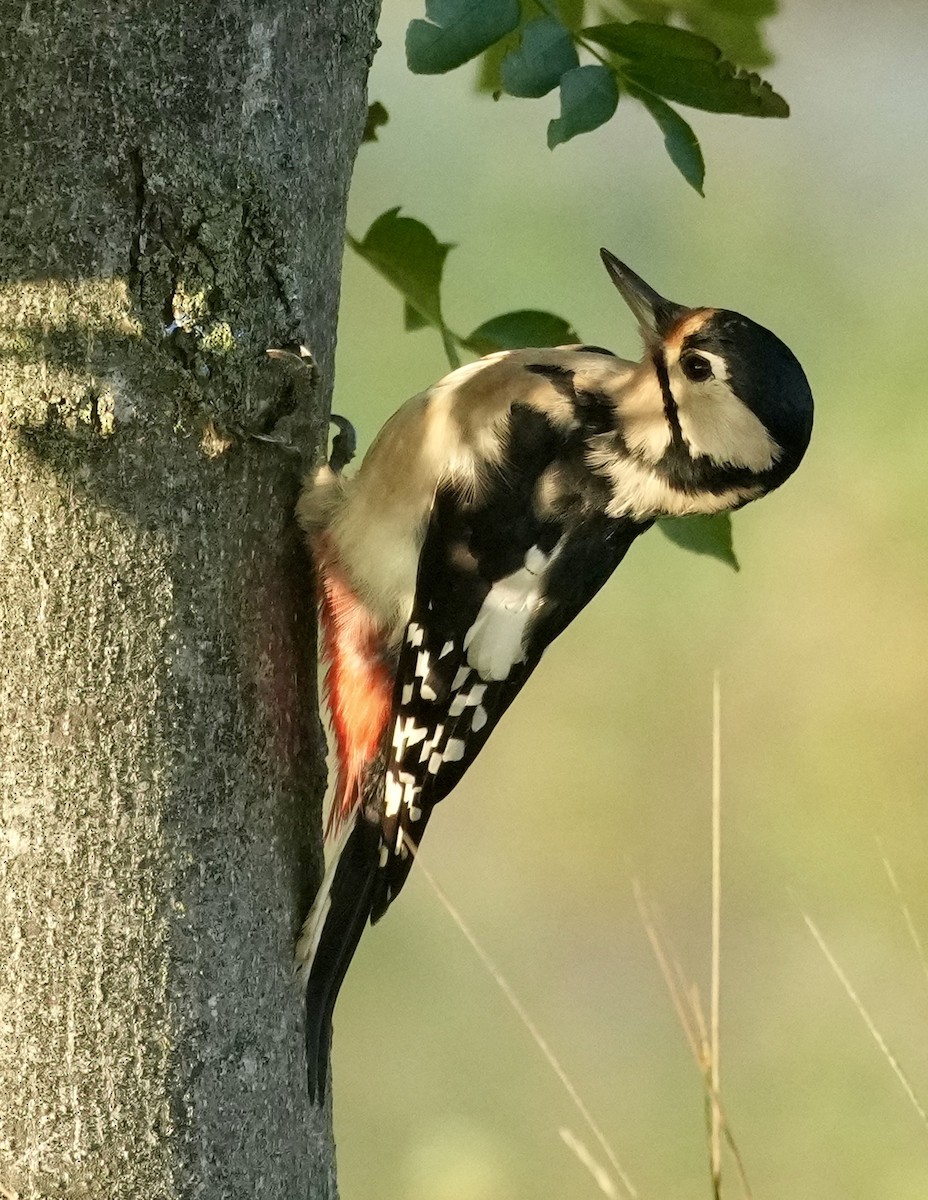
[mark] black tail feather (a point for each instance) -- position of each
(390, 879)
(350, 899)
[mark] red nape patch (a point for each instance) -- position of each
(357, 683)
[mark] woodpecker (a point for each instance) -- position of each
(489, 511)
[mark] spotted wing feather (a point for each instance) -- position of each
(497, 581)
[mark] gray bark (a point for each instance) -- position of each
(172, 195)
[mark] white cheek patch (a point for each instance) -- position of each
(715, 423)
(494, 643)
(639, 491)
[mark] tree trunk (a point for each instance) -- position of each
(172, 197)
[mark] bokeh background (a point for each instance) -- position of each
(818, 227)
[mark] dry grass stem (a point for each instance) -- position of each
(906, 914)
(703, 1037)
(601, 1176)
(715, 1131)
(739, 1161)
(534, 1032)
(868, 1021)
(680, 996)
(688, 1007)
(700, 1018)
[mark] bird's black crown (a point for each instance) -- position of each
(766, 376)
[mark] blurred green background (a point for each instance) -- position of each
(817, 227)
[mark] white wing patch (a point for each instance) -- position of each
(495, 641)
(454, 750)
(469, 699)
(401, 791)
(406, 733)
(435, 724)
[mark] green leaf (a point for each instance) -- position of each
(411, 258)
(571, 13)
(682, 66)
(642, 40)
(455, 31)
(545, 53)
(489, 64)
(714, 87)
(734, 25)
(568, 12)
(703, 535)
(413, 319)
(589, 96)
(680, 140)
(526, 327)
(377, 115)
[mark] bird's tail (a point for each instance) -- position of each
(330, 937)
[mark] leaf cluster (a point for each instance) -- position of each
(528, 49)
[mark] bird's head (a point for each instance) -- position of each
(733, 401)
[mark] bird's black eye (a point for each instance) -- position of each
(696, 367)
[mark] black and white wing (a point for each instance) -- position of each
(499, 579)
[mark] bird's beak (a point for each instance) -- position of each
(655, 315)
